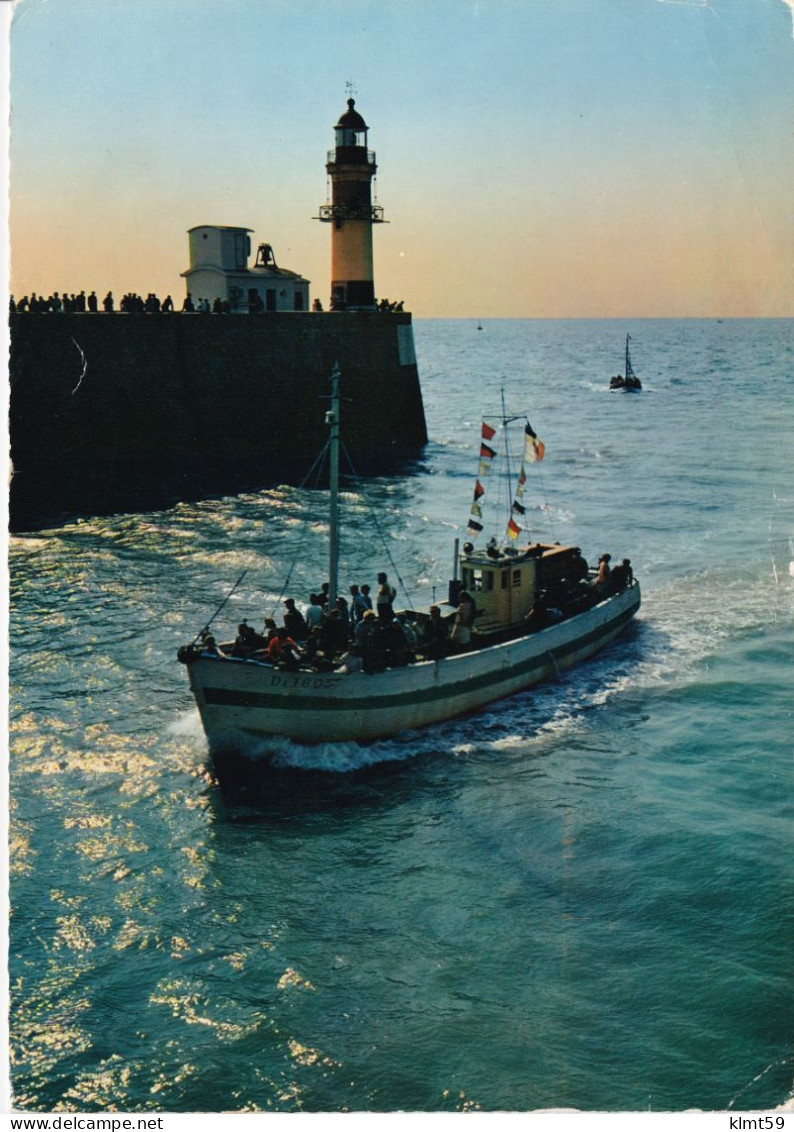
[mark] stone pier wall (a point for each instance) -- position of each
(114, 412)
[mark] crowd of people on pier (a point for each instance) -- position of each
(130, 303)
(133, 303)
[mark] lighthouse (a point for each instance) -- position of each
(351, 214)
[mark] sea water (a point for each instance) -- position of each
(578, 898)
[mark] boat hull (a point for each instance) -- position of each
(243, 700)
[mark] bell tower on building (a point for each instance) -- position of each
(351, 214)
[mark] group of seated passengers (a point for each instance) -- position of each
(611, 580)
(378, 641)
(333, 640)
(570, 596)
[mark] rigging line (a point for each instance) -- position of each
(315, 470)
(508, 463)
(374, 518)
(205, 630)
(545, 505)
(507, 485)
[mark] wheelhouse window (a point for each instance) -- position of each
(476, 580)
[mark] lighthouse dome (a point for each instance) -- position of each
(351, 119)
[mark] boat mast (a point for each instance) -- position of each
(332, 420)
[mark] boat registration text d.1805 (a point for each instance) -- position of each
(289, 681)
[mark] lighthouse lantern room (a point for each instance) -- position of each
(351, 213)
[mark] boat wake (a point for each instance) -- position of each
(520, 726)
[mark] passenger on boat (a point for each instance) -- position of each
(210, 645)
(333, 633)
(365, 592)
(408, 630)
(368, 641)
(537, 617)
(602, 577)
(363, 628)
(344, 614)
(247, 640)
(294, 621)
(314, 614)
(325, 589)
(492, 549)
(270, 630)
(393, 642)
(313, 654)
(358, 604)
(283, 651)
(385, 598)
(464, 620)
(434, 639)
(350, 662)
(622, 576)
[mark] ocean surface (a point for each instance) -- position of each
(579, 898)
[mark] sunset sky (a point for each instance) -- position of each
(536, 158)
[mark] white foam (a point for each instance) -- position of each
(187, 725)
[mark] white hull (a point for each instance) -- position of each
(243, 699)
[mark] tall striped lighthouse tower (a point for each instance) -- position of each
(351, 167)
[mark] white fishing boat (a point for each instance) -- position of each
(628, 381)
(514, 616)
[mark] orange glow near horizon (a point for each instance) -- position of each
(560, 193)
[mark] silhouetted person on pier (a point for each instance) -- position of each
(107, 302)
(92, 302)
(187, 305)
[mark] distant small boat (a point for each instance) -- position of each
(630, 383)
(479, 326)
